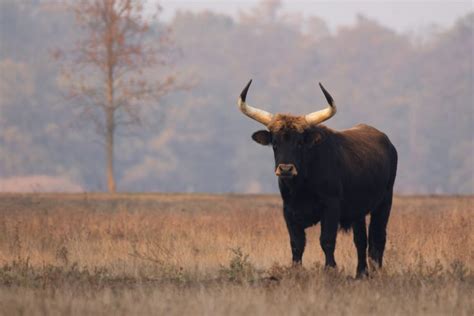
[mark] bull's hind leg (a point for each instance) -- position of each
(378, 229)
(360, 241)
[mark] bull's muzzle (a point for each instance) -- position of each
(286, 170)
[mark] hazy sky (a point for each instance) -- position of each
(401, 15)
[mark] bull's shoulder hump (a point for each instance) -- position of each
(363, 129)
(363, 133)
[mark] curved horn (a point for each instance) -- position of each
(322, 115)
(260, 116)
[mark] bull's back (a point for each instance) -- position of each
(368, 166)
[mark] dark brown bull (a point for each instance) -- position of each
(332, 177)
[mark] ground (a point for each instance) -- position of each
(175, 254)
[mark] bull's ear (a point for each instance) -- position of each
(262, 137)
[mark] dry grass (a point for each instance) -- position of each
(207, 254)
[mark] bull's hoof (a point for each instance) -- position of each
(362, 274)
(330, 269)
(296, 265)
(329, 265)
(373, 265)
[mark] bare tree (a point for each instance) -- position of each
(107, 70)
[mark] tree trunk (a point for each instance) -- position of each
(110, 21)
(110, 123)
(109, 147)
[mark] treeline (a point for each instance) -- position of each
(419, 92)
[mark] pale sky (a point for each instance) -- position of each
(401, 15)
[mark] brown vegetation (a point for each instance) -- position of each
(208, 254)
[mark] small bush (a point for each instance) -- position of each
(240, 268)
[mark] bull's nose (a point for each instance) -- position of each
(286, 170)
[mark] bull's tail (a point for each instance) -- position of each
(393, 166)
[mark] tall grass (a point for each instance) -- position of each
(174, 254)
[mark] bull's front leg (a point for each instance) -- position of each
(329, 224)
(297, 237)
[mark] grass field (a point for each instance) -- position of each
(174, 254)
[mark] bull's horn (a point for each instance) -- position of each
(259, 115)
(322, 115)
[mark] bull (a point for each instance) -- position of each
(331, 177)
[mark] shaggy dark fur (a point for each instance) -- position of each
(341, 177)
(287, 122)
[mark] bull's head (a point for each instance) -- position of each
(291, 136)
